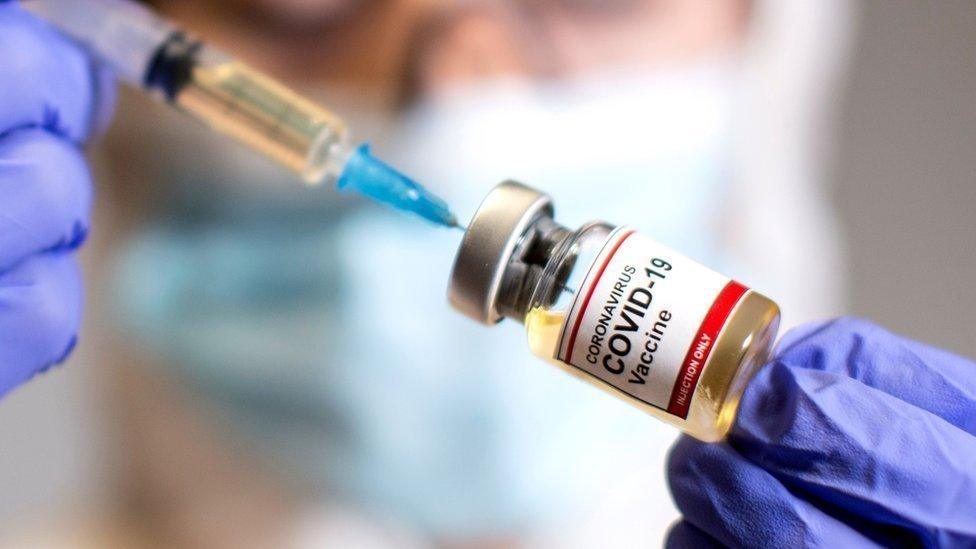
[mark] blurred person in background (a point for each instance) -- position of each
(286, 370)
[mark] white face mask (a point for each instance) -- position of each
(386, 396)
(644, 149)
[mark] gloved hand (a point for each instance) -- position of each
(52, 98)
(852, 436)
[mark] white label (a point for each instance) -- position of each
(646, 319)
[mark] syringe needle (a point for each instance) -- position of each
(373, 178)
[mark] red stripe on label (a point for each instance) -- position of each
(701, 348)
(589, 295)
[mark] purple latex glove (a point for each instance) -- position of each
(52, 98)
(853, 436)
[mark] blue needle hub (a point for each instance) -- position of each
(369, 176)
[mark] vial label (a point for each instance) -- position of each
(646, 319)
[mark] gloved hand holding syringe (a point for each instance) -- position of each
(153, 54)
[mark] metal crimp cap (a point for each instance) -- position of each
(498, 226)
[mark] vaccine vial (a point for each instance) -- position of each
(616, 309)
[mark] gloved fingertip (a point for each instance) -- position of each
(768, 406)
(65, 355)
(799, 334)
(46, 196)
(683, 535)
(68, 350)
(79, 234)
(815, 346)
(8, 385)
(682, 446)
(51, 83)
(73, 240)
(682, 458)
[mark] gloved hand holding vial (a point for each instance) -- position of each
(840, 436)
(851, 437)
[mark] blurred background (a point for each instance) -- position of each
(903, 181)
(233, 386)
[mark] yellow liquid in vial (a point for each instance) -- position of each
(741, 348)
(264, 115)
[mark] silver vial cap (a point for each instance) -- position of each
(486, 250)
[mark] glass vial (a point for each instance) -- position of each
(616, 309)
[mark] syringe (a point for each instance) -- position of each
(153, 54)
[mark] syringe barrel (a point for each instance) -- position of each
(151, 53)
(236, 100)
(123, 34)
